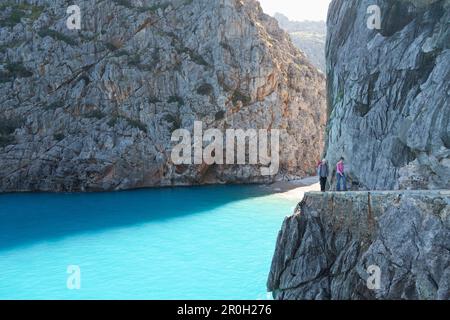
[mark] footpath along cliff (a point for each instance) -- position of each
(388, 108)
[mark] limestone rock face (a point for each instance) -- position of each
(326, 249)
(308, 36)
(94, 109)
(389, 93)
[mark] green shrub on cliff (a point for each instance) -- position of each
(19, 11)
(7, 128)
(239, 96)
(56, 36)
(177, 99)
(14, 70)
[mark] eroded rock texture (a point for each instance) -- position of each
(95, 109)
(388, 93)
(308, 36)
(326, 248)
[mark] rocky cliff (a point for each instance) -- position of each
(388, 93)
(308, 36)
(326, 250)
(94, 109)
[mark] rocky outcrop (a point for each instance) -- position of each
(94, 109)
(388, 93)
(308, 36)
(325, 250)
(389, 111)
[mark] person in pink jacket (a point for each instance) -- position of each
(340, 175)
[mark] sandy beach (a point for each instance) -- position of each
(295, 189)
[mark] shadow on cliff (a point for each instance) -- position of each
(29, 218)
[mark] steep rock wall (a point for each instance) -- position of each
(94, 109)
(389, 93)
(325, 249)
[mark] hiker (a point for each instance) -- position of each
(322, 171)
(340, 175)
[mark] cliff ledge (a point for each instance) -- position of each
(325, 249)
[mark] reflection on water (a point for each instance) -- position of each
(189, 243)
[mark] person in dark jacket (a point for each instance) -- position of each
(322, 171)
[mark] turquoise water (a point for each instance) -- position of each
(184, 243)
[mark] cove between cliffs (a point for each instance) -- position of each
(209, 242)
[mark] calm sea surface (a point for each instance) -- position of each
(184, 243)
